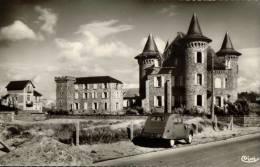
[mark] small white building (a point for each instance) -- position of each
(22, 95)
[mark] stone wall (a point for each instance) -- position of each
(6, 116)
(30, 116)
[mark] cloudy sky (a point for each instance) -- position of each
(43, 39)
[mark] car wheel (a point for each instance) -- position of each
(171, 142)
(189, 138)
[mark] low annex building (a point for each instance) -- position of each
(181, 76)
(97, 94)
(23, 96)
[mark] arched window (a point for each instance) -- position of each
(217, 83)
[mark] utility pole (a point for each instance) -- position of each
(212, 87)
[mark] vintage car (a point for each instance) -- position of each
(167, 126)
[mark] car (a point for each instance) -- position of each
(167, 126)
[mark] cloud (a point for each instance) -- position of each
(103, 29)
(69, 50)
(18, 31)
(159, 43)
(93, 42)
(169, 11)
(48, 18)
(249, 62)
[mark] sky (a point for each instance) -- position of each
(43, 39)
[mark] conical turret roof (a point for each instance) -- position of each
(150, 45)
(166, 46)
(194, 32)
(150, 49)
(227, 47)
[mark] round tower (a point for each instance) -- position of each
(230, 57)
(150, 57)
(195, 75)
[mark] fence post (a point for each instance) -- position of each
(132, 131)
(216, 122)
(77, 133)
(231, 123)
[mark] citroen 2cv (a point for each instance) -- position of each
(167, 126)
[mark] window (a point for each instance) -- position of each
(199, 57)
(76, 106)
(158, 101)
(85, 106)
(158, 81)
(104, 95)
(156, 63)
(199, 79)
(84, 95)
(117, 105)
(89, 95)
(217, 83)
(95, 86)
(105, 106)
(228, 64)
(117, 85)
(94, 95)
(76, 95)
(95, 106)
(104, 85)
(225, 83)
(76, 87)
(199, 100)
(218, 101)
(83, 86)
(28, 98)
(87, 86)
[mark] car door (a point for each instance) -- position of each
(178, 129)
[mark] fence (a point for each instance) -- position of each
(250, 120)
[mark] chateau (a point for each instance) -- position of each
(99, 94)
(182, 75)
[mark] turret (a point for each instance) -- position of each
(150, 57)
(64, 92)
(230, 56)
(195, 75)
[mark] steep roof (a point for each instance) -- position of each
(18, 85)
(227, 47)
(150, 49)
(150, 45)
(96, 79)
(35, 93)
(166, 46)
(194, 32)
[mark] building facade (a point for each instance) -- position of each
(99, 94)
(181, 76)
(23, 96)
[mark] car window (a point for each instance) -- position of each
(175, 120)
(157, 118)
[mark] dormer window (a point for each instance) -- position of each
(29, 89)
